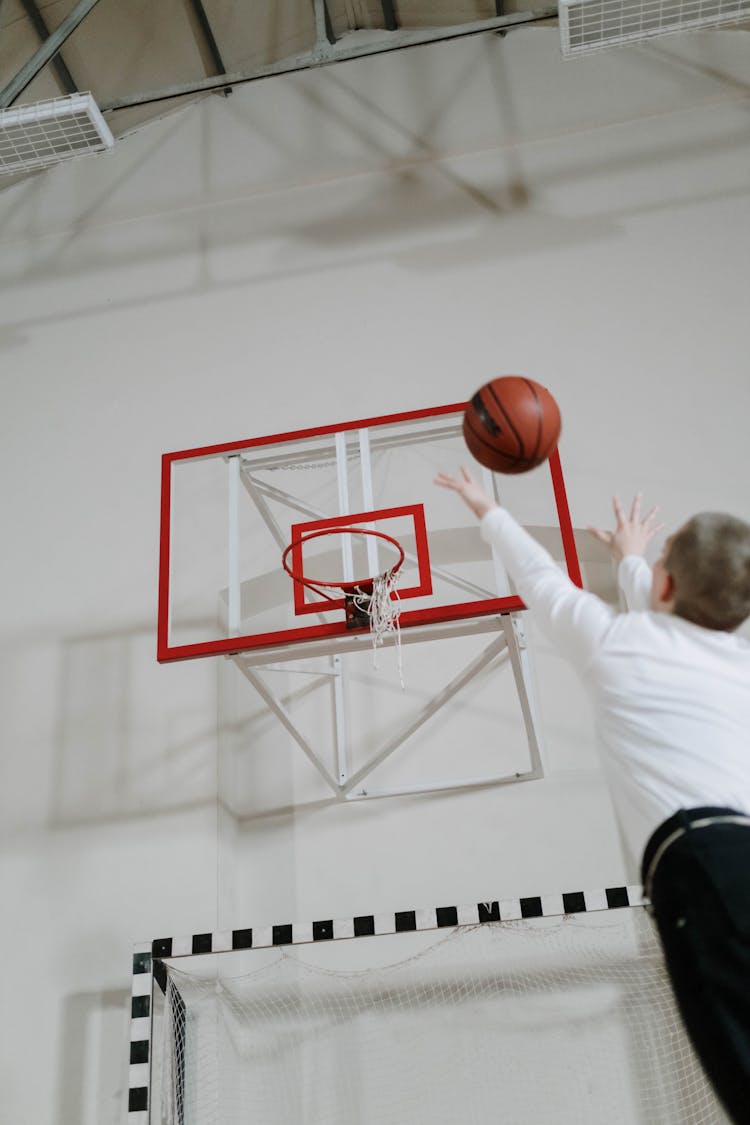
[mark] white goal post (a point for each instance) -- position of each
(542, 1009)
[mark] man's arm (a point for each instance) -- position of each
(634, 577)
(627, 544)
(574, 620)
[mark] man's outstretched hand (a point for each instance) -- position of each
(632, 534)
(470, 491)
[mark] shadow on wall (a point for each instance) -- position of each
(198, 250)
(417, 212)
(372, 220)
(132, 741)
(11, 338)
(92, 1077)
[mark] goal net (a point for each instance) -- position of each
(547, 1020)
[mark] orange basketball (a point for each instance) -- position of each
(512, 424)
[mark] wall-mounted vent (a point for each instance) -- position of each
(44, 133)
(590, 25)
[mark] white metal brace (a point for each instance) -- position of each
(345, 787)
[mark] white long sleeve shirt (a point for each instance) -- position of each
(671, 700)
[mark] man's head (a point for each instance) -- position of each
(703, 574)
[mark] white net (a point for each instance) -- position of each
(546, 1020)
(383, 609)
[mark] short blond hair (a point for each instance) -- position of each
(709, 561)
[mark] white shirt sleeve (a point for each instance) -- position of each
(634, 578)
(575, 621)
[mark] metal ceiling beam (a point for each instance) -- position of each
(208, 35)
(323, 26)
(324, 54)
(64, 77)
(47, 51)
(390, 19)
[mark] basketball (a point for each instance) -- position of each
(511, 424)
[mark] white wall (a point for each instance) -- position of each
(386, 234)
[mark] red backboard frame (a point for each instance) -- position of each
(481, 608)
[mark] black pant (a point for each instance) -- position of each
(701, 898)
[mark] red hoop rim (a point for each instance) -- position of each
(345, 586)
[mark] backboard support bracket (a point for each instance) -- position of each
(505, 649)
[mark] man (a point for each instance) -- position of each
(670, 686)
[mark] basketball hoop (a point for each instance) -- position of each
(369, 603)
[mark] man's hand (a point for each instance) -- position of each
(632, 534)
(470, 491)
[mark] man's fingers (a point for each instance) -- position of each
(651, 514)
(619, 513)
(600, 534)
(447, 482)
(635, 510)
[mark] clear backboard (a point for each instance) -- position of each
(229, 511)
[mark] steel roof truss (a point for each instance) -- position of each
(46, 52)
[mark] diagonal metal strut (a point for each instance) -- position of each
(64, 77)
(439, 700)
(46, 52)
(210, 40)
(286, 720)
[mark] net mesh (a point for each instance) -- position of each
(545, 1020)
(383, 608)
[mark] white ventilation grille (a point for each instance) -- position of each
(589, 25)
(35, 136)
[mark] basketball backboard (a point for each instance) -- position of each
(230, 510)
